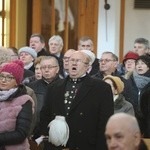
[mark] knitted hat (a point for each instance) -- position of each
(130, 55)
(29, 50)
(117, 81)
(145, 59)
(90, 54)
(15, 68)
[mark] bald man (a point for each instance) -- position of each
(123, 133)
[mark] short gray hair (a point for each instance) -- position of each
(57, 38)
(4, 55)
(50, 57)
(143, 41)
(115, 57)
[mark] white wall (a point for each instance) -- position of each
(108, 31)
(137, 24)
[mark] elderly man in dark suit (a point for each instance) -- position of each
(86, 104)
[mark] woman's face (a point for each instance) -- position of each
(7, 81)
(141, 67)
(129, 65)
(26, 58)
(38, 72)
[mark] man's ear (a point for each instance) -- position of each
(43, 45)
(115, 64)
(146, 50)
(58, 69)
(89, 67)
(137, 137)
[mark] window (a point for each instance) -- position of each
(4, 22)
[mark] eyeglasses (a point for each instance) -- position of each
(66, 58)
(49, 67)
(7, 78)
(130, 61)
(77, 61)
(82, 45)
(105, 60)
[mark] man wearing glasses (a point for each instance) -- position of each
(49, 68)
(108, 66)
(86, 104)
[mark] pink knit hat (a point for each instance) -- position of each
(15, 68)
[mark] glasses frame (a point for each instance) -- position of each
(66, 58)
(77, 61)
(7, 77)
(105, 60)
(49, 67)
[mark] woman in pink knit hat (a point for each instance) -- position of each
(16, 108)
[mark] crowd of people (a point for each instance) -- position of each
(91, 103)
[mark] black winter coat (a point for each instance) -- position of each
(141, 104)
(145, 109)
(95, 67)
(89, 112)
(40, 88)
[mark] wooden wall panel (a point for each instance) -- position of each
(122, 20)
(81, 18)
(12, 37)
(66, 36)
(52, 12)
(88, 19)
(36, 16)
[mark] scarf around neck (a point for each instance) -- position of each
(4, 95)
(140, 80)
(28, 66)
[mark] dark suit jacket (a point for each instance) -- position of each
(90, 110)
(43, 52)
(95, 67)
(145, 109)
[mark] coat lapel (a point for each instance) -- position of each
(60, 104)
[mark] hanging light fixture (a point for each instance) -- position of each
(106, 5)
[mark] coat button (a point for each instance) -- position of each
(81, 114)
(80, 131)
